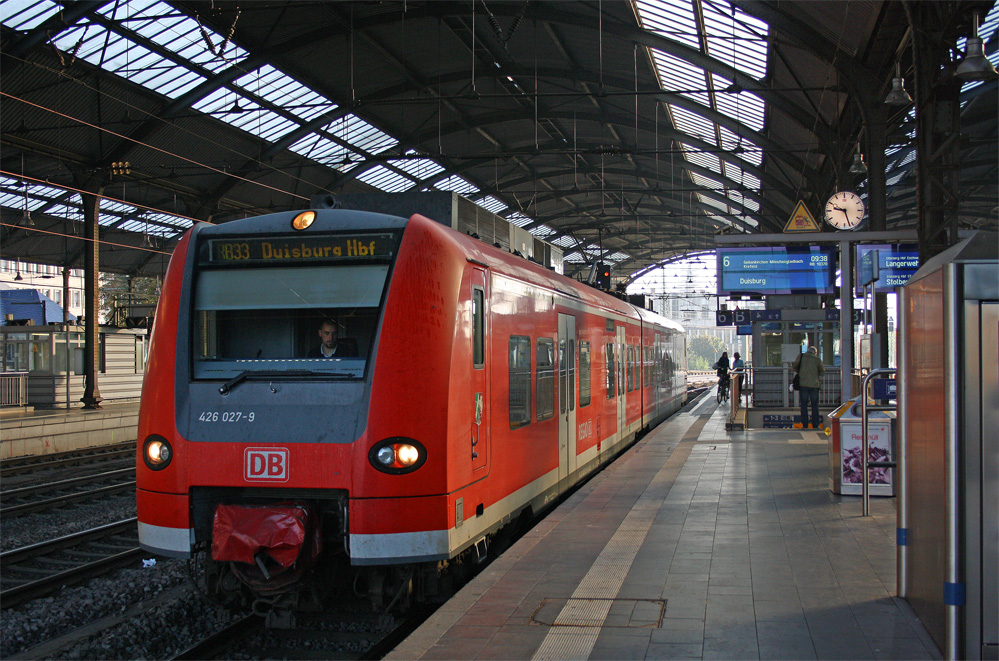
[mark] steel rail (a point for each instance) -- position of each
(32, 467)
(219, 642)
(83, 453)
(31, 590)
(49, 503)
(24, 492)
(23, 553)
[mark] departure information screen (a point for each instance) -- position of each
(288, 250)
(777, 270)
(896, 264)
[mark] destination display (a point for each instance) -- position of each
(895, 264)
(777, 270)
(298, 249)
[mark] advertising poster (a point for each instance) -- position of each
(879, 442)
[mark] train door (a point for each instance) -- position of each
(622, 375)
(480, 371)
(566, 395)
(658, 375)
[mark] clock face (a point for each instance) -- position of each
(844, 210)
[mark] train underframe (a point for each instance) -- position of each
(321, 571)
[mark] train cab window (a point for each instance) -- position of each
(546, 378)
(520, 381)
(611, 385)
(584, 374)
(478, 328)
(268, 319)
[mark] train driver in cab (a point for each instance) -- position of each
(329, 346)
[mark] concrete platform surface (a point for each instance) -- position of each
(697, 544)
(45, 431)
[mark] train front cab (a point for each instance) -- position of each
(229, 388)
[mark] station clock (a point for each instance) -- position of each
(844, 210)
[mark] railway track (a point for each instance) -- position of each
(33, 571)
(347, 633)
(119, 452)
(15, 502)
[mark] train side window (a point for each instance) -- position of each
(611, 386)
(546, 378)
(562, 386)
(630, 367)
(584, 374)
(647, 365)
(572, 375)
(636, 366)
(478, 328)
(520, 381)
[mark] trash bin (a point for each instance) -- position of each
(845, 443)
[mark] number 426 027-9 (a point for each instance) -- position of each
(226, 416)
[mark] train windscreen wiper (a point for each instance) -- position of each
(277, 374)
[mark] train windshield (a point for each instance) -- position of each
(294, 320)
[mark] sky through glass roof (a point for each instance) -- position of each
(723, 32)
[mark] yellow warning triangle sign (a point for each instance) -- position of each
(801, 220)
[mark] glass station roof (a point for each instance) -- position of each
(735, 39)
(151, 44)
(58, 202)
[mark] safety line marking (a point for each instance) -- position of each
(604, 579)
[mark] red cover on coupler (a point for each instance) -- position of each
(240, 532)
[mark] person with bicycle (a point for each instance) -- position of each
(722, 365)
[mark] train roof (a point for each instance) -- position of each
(327, 220)
(497, 259)
(506, 263)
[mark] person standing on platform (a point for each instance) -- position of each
(810, 370)
(738, 364)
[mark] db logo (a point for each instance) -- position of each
(267, 464)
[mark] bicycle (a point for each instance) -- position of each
(723, 383)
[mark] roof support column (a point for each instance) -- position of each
(875, 117)
(91, 308)
(938, 127)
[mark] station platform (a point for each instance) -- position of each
(27, 432)
(698, 543)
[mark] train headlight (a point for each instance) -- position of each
(157, 453)
(397, 455)
(407, 454)
(303, 220)
(386, 455)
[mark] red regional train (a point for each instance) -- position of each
(470, 387)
